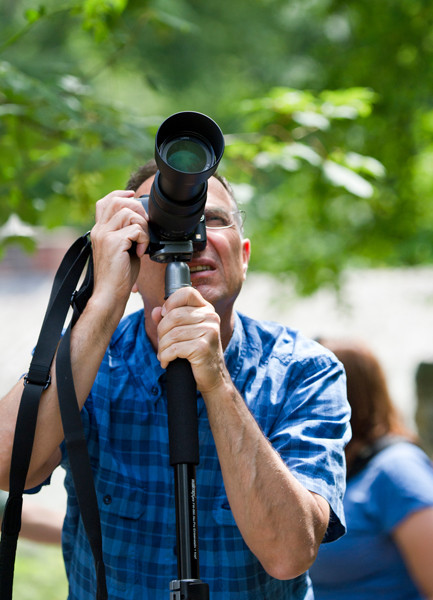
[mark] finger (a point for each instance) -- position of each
(133, 233)
(184, 333)
(104, 203)
(139, 238)
(188, 330)
(107, 206)
(110, 243)
(190, 316)
(202, 350)
(186, 296)
(156, 315)
(119, 222)
(125, 217)
(188, 349)
(141, 249)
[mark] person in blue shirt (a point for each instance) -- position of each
(273, 420)
(387, 552)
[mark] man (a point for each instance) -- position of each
(273, 420)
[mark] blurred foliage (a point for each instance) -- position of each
(39, 572)
(326, 107)
(310, 191)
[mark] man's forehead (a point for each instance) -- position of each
(218, 195)
(144, 188)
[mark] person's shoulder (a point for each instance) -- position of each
(400, 455)
(399, 480)
(263, 328)
(403, 465)
(291, 344)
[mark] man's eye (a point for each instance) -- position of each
(214, 220)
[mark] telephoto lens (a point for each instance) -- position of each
(188, 149)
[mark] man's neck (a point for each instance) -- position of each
(226, 328)
(150, 328)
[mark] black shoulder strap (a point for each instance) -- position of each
(38, 379)
(362, 460)
(79, 460)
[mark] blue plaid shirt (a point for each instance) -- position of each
(296, 391)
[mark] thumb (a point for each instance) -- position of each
(156, 314)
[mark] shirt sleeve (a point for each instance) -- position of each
(402, 483)
(313, 428)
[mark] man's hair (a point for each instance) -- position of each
(141, 174)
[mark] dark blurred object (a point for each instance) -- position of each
(424, 411)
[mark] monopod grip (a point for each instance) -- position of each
(182, 413)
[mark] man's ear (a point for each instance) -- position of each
(246, 253)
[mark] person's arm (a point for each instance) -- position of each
(414, 538)
(120, 220)
(281, 521)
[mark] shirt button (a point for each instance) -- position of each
(154, 391)
(107, 499)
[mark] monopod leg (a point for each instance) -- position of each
(184, 456)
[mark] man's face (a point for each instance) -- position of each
(217, 272)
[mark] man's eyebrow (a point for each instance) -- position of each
(217, 209)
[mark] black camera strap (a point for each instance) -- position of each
(63, 296)
(79, 461)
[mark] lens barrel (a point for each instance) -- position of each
(188, 149)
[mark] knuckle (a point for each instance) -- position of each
(99, 207)
(172, 351)
(202, 345)
(124, 211)
(94, 233)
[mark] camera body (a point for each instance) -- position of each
(188, 149)
(161, 246)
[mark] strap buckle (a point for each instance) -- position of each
(45, 383)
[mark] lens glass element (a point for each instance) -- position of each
(188, 154)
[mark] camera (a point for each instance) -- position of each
(188, 150)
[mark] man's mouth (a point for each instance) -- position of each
(198, 268)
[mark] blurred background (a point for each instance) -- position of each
(327, 112)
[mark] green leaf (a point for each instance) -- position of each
(352, 182)
(32, 15)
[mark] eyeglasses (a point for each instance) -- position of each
(217, 218)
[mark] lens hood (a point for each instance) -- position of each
(197, 129)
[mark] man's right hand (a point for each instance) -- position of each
(121, 221)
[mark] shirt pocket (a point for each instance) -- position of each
(121, 507)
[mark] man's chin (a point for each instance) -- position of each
(205, 287)
(200, 279)
(201, 285)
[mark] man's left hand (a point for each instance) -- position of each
(189, 327)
